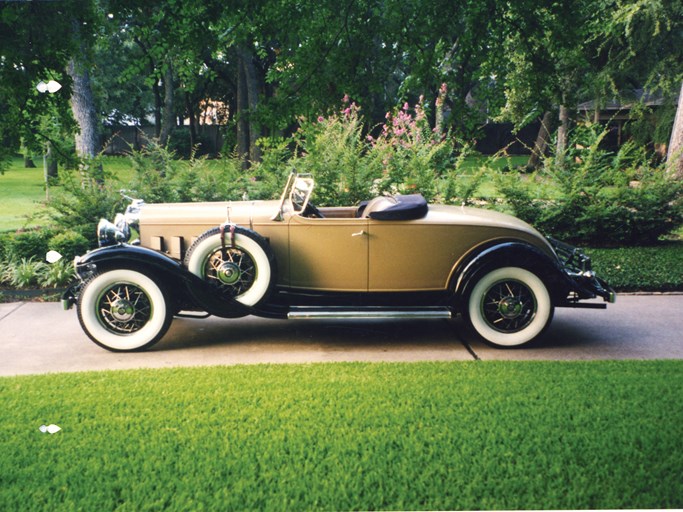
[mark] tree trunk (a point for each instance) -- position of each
(674, 155)
(167, 117)
(241, 116)
(249, 83)
(562, 134)
(83, 107)
(192, 119)
(541, 143)
(157, 109)
(28, 161)
(52, 167)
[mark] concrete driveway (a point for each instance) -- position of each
(42, 338)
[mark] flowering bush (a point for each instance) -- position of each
(407, 156)
(332, 149)
(413, 156)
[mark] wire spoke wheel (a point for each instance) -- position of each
(509, 306)
(124, 308)
(234, 275)
(240, 265)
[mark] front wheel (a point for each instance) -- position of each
(509, 307)
(124, 310)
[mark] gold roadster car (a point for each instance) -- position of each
(390, 257)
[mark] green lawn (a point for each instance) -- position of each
(22, 194)
(421, 436)
(22, 191)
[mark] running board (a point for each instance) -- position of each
(369, 313)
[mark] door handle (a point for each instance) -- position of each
(360, 233)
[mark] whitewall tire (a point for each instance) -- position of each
(123, 310)
(509, 307)
(241, 267)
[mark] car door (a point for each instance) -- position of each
(328, 254)
(410, 256)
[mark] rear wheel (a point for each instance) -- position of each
(124, 310)
(509, 307)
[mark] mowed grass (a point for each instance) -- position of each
(22, 195)
(475, 435)
(22, 191)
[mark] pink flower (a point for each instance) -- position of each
(321, 119)
(346, 98)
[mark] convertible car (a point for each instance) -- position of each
(390, 257)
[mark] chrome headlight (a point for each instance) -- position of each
(109, 234)
(119, 231)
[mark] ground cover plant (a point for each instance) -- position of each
(658, 268)
(474, 435)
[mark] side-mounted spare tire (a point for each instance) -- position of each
(239, 263)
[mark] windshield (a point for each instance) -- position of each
(296, 194)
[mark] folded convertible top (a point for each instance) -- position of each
(408, 207)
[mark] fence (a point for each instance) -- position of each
(119, 140)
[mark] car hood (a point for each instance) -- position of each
(212, 212)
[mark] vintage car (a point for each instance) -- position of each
(391, 257)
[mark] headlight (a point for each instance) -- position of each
(109, 234)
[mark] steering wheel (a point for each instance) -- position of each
(312, 211)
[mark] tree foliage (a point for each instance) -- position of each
(268, 62)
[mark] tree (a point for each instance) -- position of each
(82, 99)
(675, 152)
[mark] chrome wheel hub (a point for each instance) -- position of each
(122, 310)
(228, 273)
(233, 270)
(509, 306)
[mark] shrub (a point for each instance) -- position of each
(26, 244)
(460, 183)
(4, 243)
(25, 273)
(332, 149)
(641, 268)
(155, 168)
(598, 197)
(88, 196)
(5, 272)
(413, 157)
(69, 244)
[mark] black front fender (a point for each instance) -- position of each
(184, 285)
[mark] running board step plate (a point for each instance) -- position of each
(368, 313)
